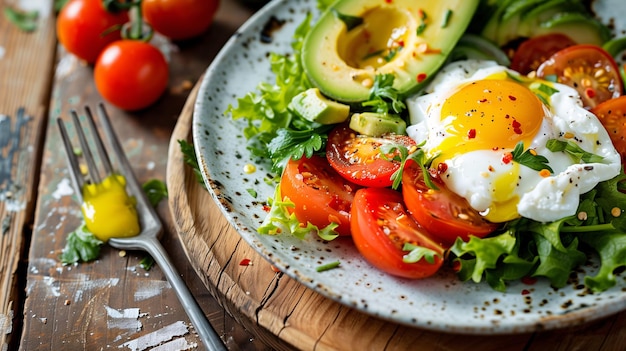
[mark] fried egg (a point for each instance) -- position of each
(472, 116)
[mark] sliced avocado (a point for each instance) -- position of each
(376, 124)
(472, 46)
(315, 107)
(410, 39)
(529, 18)
(580, 28)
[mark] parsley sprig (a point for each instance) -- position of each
(529, 159)
(402, 154)
(383, 97)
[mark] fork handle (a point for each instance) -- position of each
(209, 337)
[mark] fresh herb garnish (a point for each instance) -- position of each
(384, 97)
(402, 154)
(24, 20)
(155, 190)
(530, 159)
(288, 144)
(421, 27)
(281, 221)
(328, 266)
(416, 253)
(446, 18)
(147, 262)
(189, 157)
(351, 22)
(576, 152)
(81, 246)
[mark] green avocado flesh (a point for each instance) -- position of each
(410, 39)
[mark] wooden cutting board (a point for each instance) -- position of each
(286, 315)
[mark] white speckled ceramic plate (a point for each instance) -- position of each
(440, 303)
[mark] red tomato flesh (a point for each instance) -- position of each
(612, 115)
(534, 51)
(444, 214)
(358, 158)
(587, 68)
(380, 228)
(321, 196)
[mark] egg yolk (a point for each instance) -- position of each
(490, 114)
(108, 210)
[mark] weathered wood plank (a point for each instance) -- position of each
(25, 84)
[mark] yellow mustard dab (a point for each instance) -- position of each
(108, 210)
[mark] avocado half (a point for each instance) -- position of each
(410, 39)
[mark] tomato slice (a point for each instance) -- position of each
(534, 51)
(587, 68)
(321, 196)
(441, 212)
(358, 159)
(612, 114)
(380, 228)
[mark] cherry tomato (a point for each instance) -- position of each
(587, 68)
(380, 228)
(85, 28)
(612, 114)
(321, 196)
(131, 74)
(441, 212)
(534, 51)
(358, 159)
(179, 19)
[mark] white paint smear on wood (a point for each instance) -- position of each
(150, 289)
(127, 319)
(158, 337)
(64, 188)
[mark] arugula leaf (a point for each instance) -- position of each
(81, 246)
(611, 247)
(189, 157)
(383, 96)
(530, 160)
(280, 220)
(416, 253)
(554, 264)
(576, 152)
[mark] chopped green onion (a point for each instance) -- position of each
(328, 266)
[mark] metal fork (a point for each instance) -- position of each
(151, 226)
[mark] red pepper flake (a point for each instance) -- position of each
(421, 77)
(401, 43)
(442, 167)
(245, 262)
(529, 280)
(482, 100)
(590, 93)
(525, 292)
(389, 1)
(421, 14)
(507, 158)
(266, 208)
(512, 98)
(516, 127)
(471, 134)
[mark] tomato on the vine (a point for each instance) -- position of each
(587, 68)
(131, 74)
(358, 157)
(612, 114)
(85, 28)
(381, 227)
(441, 212)
(534, 51)
(179, 19)
(321, 196)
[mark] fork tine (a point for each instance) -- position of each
(91, 164)
(75, 174)
(144, 208)
(104, 156)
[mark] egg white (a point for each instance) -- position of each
(486, 181)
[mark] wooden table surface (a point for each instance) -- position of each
(113, 303)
